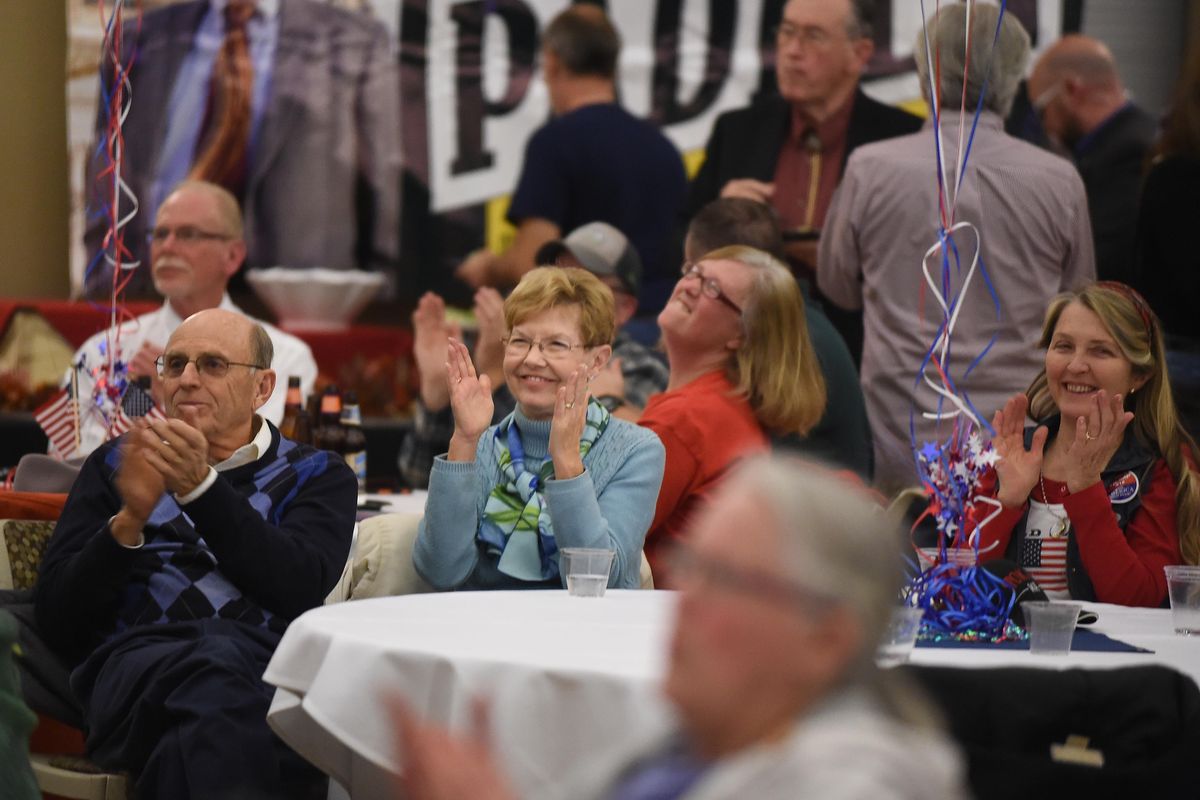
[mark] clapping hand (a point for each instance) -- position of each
(1097, 438)
(139, 483)
(489, 345)
(178, 451)
(470, 400)
(431, 329)
(567, 424)
(1017, 469)
(749, 189)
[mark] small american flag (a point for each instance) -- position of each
(59, 418)
(136, 402)
(1046, 561)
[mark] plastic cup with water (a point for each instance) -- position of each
(901, 635)
(1183, 586)
(587, 570)
(1051, 626)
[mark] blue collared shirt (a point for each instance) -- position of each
(185, 111)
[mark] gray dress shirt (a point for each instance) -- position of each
(1031, 212)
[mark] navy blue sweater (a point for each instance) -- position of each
(266, 542)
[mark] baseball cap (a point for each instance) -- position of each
(602, 250)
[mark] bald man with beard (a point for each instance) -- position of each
(1084, 109)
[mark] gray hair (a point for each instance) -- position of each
(1003, 68)
(262, 351)
(839, 544)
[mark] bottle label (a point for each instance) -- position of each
(331, 404)
(358, 463)
(351, 415)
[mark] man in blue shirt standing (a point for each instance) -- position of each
(593, 162)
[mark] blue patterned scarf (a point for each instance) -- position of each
(516, 521)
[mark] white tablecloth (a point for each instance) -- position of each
(567, 676)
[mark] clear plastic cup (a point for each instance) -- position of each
(1183, 586)
(1051, 626)
(898, 640)
(587, 570)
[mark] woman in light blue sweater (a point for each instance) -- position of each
(558, 472)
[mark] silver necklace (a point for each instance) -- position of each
(1062, 524)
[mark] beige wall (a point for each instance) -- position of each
(33, 150)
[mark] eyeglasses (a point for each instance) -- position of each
(1040, 103)
(519, 347)
(686, 565)
(172, 365)
(707, 285)
(184, 234)
(806, 35)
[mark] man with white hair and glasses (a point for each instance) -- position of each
(196, 246)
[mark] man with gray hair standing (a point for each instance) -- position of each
(1027, 216)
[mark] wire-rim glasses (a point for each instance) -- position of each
(707, 285)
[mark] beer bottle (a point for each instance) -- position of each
(303, 433)
(330, 435)
(356, 440)
(292, 406)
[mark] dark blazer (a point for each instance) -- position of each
(1111, 161)
(745, 143)
(324, 182)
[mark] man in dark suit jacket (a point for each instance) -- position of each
(788, 151)
(1077, 92)
(322, 176)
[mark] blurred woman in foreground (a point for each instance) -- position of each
(771, 668)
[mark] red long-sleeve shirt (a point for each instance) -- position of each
(1124, 566)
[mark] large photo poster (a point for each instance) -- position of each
(470, 95)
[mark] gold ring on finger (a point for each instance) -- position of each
(1088, 436)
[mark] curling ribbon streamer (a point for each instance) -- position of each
(117, 207)
(959, 600)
